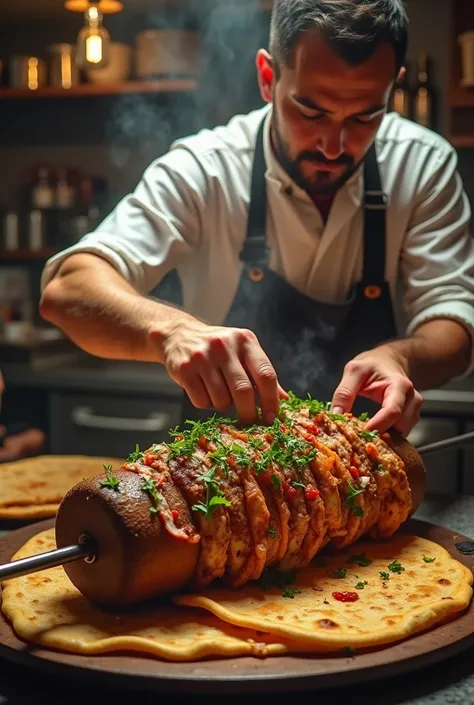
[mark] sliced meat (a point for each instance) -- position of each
(257, 510)
(215, 530)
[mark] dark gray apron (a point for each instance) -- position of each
(309, 341)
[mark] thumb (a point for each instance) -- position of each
(347, 391)
(281, 393)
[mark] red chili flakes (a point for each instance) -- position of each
(372, 451)
(174, 514)
(289, 490)
(355, 474)
(345, 596)
(311, 493)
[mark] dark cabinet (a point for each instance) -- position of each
(94, 424)
(442, 468)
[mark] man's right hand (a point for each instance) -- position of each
(219, 366)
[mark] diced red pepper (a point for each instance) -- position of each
(354, 472)
(241, 436)
(268, 437)
(149, 459)
(311, 493)
(174, 514)
(203, 443)
(231, 461)
(372, 451)
(289, 490)
(345, 596)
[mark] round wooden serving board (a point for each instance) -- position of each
(234, 675)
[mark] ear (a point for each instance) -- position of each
(265, 74)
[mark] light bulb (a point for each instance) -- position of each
(93, 41)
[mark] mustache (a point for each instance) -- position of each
(318, 158)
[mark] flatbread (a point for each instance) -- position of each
(34, 487)
(45, 608)
(386, 611)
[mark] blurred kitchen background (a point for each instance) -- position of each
(75, 137)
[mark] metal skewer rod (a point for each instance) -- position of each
(60, 556)
(456, 442)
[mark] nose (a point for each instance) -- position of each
(332, 142)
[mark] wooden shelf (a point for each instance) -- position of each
(24, 254)
(462, 141)
(461, 97)
(96, 89)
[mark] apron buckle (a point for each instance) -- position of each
(372, 291)
(256, 274)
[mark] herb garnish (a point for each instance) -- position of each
(364, 416)
(136, 455)
(349, 651)
(428, 560)
(290, 592)
(339, 573)
(384, 576)
(396, 567)
(352, 493)
(214, 496)
(368, 435)
(297, 485)
(359, 560)
(272, 532)
(149, 486)
(111, 482)
(361, 585)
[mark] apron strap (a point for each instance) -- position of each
(375, 206)
(255, 248)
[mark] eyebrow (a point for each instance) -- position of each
(308, 103)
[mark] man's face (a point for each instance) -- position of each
(325, 113)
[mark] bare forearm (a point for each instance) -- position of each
(438, 351)
(103, 314)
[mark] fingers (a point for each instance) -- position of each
(353, 379)
(196, 390)
(401, 407)
(217, 388)
(411, 414)
(264, 377)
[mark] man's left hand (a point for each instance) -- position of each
(380, 375)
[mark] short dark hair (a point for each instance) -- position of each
(354, 28)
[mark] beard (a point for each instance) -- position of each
(321, 181)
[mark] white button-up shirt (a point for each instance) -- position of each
(189, 213)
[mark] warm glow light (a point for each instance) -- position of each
(106, 7)
(33, 77)
(93, 41)
(94, 51)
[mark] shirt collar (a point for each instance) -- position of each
(353, 188)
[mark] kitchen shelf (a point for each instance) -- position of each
(462, 141)
(96, 89)
(25, 254)
(461, 97)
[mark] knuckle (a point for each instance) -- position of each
(246, 336)
(343, 394)
(394, 410)
(242, 387)
(266, 373)
(418, 400)
(353, 366)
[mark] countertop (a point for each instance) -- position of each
(448, 683)
(84, 373)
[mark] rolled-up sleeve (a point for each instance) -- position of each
(153, 229)
(438, 252)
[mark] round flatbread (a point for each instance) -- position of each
(399, 587)
(32, 488)
(45, 608)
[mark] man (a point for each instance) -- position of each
(290, 229)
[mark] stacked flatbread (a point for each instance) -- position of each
(373, 594)
(32, 488)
